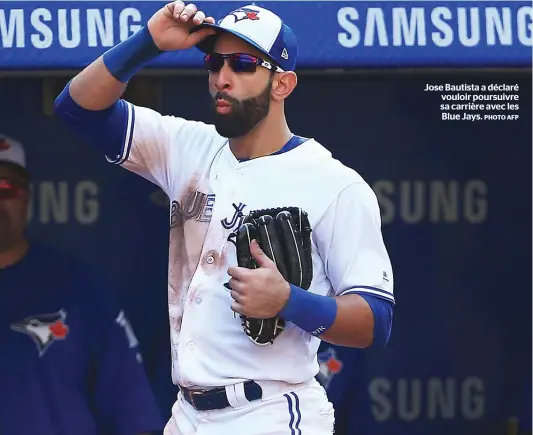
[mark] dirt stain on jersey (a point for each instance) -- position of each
(188, 228)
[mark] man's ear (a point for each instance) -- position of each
(283, 84)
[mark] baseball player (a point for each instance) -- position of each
(274, 245)
(69, 363)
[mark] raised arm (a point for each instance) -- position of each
(95, 88)
(103, 82)
(136, 137)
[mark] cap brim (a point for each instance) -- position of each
(207, 45)
(20, 170)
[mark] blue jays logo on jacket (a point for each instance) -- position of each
(44, 329)
(245, 14)
(330, 366)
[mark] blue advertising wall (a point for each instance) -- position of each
(456, 212)
(53, 34)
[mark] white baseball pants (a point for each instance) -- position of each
(304, 410)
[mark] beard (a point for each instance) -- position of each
(244, 115)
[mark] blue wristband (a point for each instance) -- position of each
(311, 312)
(128, 57)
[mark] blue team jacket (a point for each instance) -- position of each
(69, 362)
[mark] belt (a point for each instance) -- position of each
(216, 398)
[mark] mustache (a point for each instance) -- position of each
(223, 96)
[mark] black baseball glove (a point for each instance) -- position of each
(284, 235)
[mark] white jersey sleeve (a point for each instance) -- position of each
(152, 141)
(350, 242)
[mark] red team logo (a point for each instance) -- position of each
(44, 329)
(58, 329)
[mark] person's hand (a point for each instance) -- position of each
(170, 26)
(258, 293)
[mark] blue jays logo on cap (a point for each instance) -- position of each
(44, 329)
(245, 14)
(262, 29)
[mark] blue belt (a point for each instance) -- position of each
(216, 398)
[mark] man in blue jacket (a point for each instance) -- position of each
(69, 363)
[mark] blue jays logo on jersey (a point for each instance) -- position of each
(236, 219)
(329, 366)
(44, 329)
(245, 14)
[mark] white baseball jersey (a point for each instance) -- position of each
(208, 189)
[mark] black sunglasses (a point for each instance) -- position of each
(238, 62)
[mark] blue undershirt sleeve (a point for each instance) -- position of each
(108, 130)
(383, 314)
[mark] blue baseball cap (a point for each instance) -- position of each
(262, 29)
